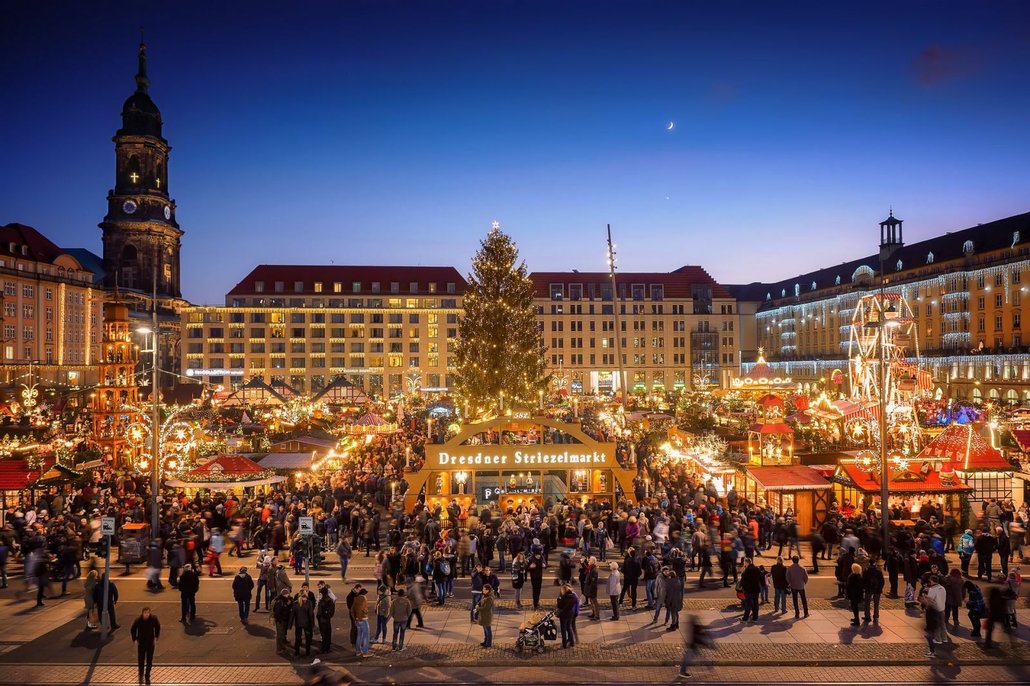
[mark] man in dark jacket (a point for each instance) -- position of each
(145, 631)
(985, 546)
(242, 587)
(189, 584)
(566, 613)
(631, 577)
(751, 585)
(112, 599)
(872, 583)
(779, 581)
(282, 615)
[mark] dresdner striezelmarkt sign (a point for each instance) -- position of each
(521, 456)
(580, 452)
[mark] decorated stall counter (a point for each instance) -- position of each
(519, 460)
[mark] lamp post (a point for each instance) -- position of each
(155, 418)
(890, 240)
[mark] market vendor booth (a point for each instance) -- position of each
(774, 477)
(226, 473)
(519, 460)
(909, 487)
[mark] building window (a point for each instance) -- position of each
(557, 291)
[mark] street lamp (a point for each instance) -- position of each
(155, 419)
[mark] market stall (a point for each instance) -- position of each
(909, 488)
(981, 466)
(226, 473)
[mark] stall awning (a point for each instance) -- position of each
(900, 482)
(788, 478)
(770, 429)
(15, 475)
(965, 449)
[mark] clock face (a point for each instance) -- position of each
(168, 212)
(129, 207)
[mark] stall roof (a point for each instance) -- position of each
(770, 429)
(904, 482)
(286, 461)
(1022, 437)
(226, 464)
(965, 449)
(788, 478)
(15, 475)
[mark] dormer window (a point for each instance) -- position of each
(967, 248)
(929, 258)
(813, 285)
(899, 265)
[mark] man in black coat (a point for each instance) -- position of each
(145, 632)
(112, 599)
(189, 584)
(242, 587)
(985, 546)
(751, 585)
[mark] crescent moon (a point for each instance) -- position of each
(671, 126)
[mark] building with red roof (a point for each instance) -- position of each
(962, 449)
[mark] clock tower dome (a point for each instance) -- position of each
(141, 236)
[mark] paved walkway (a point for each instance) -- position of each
(247, 675)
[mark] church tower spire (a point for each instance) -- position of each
(141, 235)
(142, 82)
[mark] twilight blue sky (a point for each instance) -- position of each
(395, 132)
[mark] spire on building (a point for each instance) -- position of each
(142, 82)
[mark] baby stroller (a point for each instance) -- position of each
(532, 635)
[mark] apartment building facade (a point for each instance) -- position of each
(52, 312)
(965, 290)
(676, 330)
(385, 329)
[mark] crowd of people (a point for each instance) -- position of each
(601, 552)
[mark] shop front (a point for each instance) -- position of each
(525, 460)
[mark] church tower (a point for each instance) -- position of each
(141, 236)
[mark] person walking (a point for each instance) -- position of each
(778, 572)
(975, 607)
(695, 635)
(400, 612)
(282, 614)
(344, 552)
(88, 587)
(1010, 590)
(566, 611)
(189, 585)
(872, 583)
(382, 615)
(936, 600)
(536, 577)
(797, 579)
(674, 601)
(486, 616)
(112, 600)
(751, 585)
(145, 631)
(588, 582)
(614, 587)
(631, 571)
(966, 548)
(416, 596)
(854, 591)
(359, 617)
(954, 588)
(931, 617)
(518, 577)
(324, 612)
(263, 590)
(303, 622)
(242, 586)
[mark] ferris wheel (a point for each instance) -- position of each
(889, 316)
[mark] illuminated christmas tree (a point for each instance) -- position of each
(500, 356)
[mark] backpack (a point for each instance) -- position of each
(652, 566)
(445, 567)
(326, 608)
(281, 610)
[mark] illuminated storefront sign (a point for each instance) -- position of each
(498, 456)
(214, 372)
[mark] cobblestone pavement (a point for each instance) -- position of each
(245, 675)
